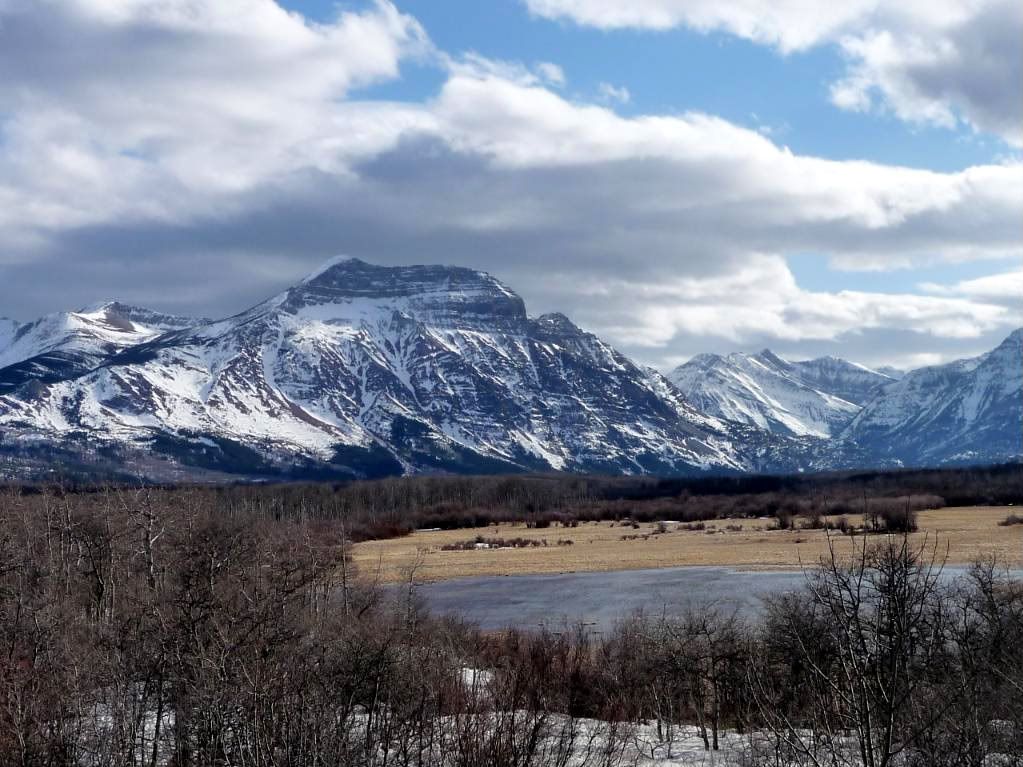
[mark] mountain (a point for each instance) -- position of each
(891, 372)
(363, 371)
(815, 398)
(8, 328)
(968, 411)
(366, 370)
(840, 378)
(62, 345)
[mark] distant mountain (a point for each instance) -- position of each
(361, 371)
(840, 378)
(891, 372)
(8, 328)
(60, 346)
(967, 411)
(814, 398)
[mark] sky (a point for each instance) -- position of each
(677, 176)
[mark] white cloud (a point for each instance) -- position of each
(135, 107)
(614, 93)
(936, 62)
(787, 24)
(760, 298)
(550, 73)
(1006, 287)
(474, 65)
(517, 126)
(162, 144)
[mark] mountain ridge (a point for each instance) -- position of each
(814, 398)
(969, 409)
(365, 370)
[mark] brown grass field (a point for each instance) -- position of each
(965, 533)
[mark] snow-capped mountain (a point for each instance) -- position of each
(59, 346)
(893, 373)
(8, 328)
(814, 398)
(966, 411)
(367, 370)
(841, 378)
(362, 370)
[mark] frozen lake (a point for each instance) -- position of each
(528, 601)
(531, 601)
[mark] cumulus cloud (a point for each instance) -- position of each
(1006, 287)
(116, 108)
(199, 155)
(937, 62)
(760, 299)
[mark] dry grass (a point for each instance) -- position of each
(969, 532)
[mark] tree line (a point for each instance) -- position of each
(397, 506)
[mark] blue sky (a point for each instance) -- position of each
(680, 70)
(678, 176)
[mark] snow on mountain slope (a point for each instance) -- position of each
(361, 370)
(770, 393)
(894, 373)
(65, 344)
(840, 378)
(8, 328)
(371, 370)
(965, 411)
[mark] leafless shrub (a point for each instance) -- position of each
(194, 627)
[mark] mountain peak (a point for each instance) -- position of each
(339, 263)
(445, 296)
(703, 361)
(964, 411)
(97, 307)
(355, 277)
(557, 322)
(769, 357)
(122, 316)
(1010, 348)
(766, 391)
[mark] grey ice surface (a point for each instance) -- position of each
(600, 599)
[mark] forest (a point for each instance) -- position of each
(396, 506)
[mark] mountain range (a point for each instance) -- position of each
(816, 398)
(362, 370)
